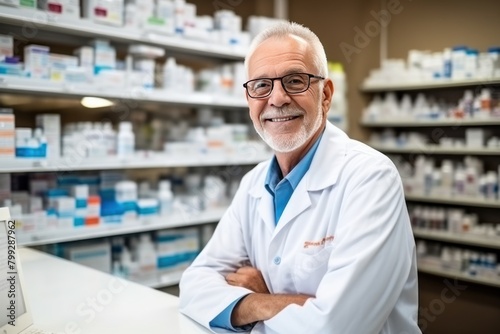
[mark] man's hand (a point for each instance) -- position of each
(248, 277)
(259, 307)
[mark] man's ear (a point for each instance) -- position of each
(328, 90)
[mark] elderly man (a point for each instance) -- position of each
(317, 239)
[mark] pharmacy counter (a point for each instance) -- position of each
(69, 298)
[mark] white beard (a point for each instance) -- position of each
(290, 142)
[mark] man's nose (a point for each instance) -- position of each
(279, 97)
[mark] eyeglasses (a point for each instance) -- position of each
(294, 83)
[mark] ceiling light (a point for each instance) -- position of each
(95, 102)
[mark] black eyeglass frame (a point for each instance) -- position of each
(310, 76)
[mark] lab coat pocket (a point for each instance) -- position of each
(310, 267)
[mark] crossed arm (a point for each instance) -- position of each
(259, 305)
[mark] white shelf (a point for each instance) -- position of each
(429, 150)
(466, 239)
(409, 123)
(112, 229)
(464, 201)
(247, 155)
(443, 83)
(458, 275)
(18, 85)
(37, 20)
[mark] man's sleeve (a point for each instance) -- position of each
(204, 292)
(223, 320)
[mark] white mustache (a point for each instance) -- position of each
(280, 113)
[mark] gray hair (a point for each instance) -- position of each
(283, 29)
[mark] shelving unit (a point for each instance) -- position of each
(50, 28)
(474, 204)
(427, 149)
(27, 86)
(247, 156)
(41, 21)
(412, 123)
(465, 239)
(435, 84)
(146, 224)
(458, 275)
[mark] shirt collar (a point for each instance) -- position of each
(274, 176)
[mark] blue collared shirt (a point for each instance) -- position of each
(281, 189)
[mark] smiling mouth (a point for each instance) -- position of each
(281, 119)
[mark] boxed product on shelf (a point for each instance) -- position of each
(107, 12)
(6, 46)
(36, 61)
(51, 126)
(7, 134)
(68, 8)
(95, 255)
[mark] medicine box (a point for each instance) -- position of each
(36, 61)
(67, 8)
(97, 256)
(14, 3)
(6, 46)
(51, 126)
(7, 134)
(104, 11)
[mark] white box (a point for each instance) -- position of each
(51, 126)
(85, 55)
(106, 12)
(67, 8)
(97, 256)
(36, 61)
(14, 3)
(6, 46)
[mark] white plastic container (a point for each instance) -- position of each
(125, 140)
(166, 197)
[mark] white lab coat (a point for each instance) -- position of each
(344, 237)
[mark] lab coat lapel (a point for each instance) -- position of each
(266, 210)
(297, 204)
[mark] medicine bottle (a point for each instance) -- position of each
(125, 140)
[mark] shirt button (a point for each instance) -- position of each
(277, 260)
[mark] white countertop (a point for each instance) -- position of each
(69, 298)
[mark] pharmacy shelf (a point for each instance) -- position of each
(426, 149)
(458, 275)
(26, 86)
(464, 201)
(177, 219)
(247, 155)
(466, 239)
(436, 84)
(32, 21)
(411, 123)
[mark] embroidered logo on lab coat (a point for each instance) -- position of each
(322, 242)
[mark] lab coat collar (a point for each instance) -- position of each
(325, 166)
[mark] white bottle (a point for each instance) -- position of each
(125, 140)
(109, 137)
(166, 197)
(169, 74)
(147, 258)
(128, 267)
